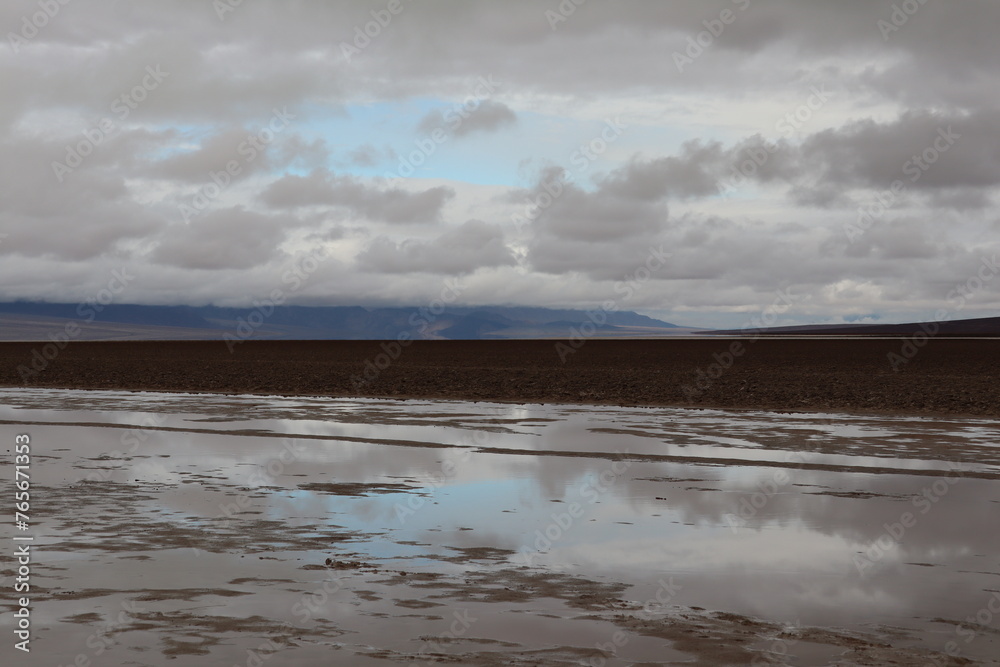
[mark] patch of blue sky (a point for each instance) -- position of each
(188, 139)
(377, 124)
(510, 156)
(464, 505)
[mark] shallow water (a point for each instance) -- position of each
(198, 527)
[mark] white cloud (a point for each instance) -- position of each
(891, 94)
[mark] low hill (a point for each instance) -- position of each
(986, 326)
(39, 321)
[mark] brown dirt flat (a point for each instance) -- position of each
(946, 376)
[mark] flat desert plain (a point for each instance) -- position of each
(944, 376)
(488, 503)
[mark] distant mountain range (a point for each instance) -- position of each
(30, 321)
(37, 321)
(985, 326)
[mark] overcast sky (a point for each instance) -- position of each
(530, 153)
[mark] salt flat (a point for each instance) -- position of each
(255, 530)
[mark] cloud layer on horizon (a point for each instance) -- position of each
(848, 152)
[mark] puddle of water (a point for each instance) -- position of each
(198, 528)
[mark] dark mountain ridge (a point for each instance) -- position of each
(983, 326)
(23, 320)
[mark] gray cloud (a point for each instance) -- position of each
(87, 215)
(393, 205)
(228, 239)
(367, 155)
(211, 155)
(484, 116)
(694, 173)
(664, 183)
(464, 249)
(924, 149)
(487, 117)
